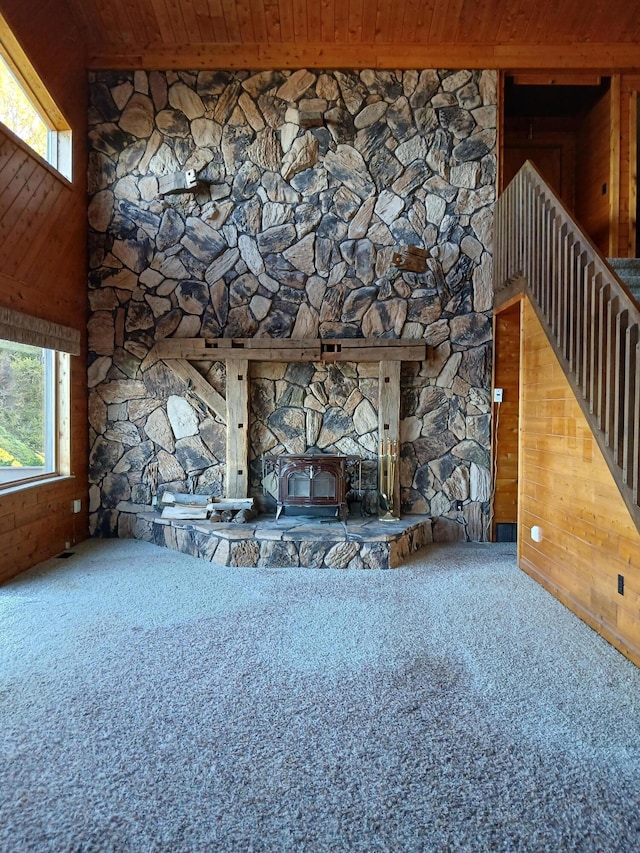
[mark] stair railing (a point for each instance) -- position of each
(590, 317)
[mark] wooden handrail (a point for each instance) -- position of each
(589, 315)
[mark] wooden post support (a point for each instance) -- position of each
(389, 420)
(237, 428)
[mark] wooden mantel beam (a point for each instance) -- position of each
(289, 350)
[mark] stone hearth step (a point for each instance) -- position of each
(361, 543)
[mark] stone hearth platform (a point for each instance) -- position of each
(361, 543)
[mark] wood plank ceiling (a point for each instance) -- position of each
(599, 34)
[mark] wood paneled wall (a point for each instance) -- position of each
(593, 173)
(630, 92)
(550, 145)
(43, 273)
(506, 375)
(588, 537)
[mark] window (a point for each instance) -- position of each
(27, 395)
(27, 108)
(19, 114)
(34, 398)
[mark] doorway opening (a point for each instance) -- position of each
(563, 126)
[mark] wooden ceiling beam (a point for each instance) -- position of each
(603, 58)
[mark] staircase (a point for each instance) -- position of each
(591, 318)
(628, 271)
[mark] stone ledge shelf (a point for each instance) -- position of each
(289, 542)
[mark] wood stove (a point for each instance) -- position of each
(312, 480)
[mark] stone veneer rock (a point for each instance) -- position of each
(290, 233)
(369, 544)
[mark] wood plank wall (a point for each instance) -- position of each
(593, 173)
(43, 273)
(630, 91)
(550, 145)
(506, 368)
(588, 538)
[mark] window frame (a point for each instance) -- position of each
(59, 135)
(55, 410)
(61, 342)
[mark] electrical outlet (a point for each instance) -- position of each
(621, 584)
(77, 506)
(536, 533)
(497, 395)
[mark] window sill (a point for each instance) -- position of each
(45, 480)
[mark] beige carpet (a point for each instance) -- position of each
(153, 702)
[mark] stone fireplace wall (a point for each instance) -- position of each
(308, 181)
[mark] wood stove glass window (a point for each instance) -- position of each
(299, 485)
(324, 485)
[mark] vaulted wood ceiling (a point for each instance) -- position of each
(602, 34)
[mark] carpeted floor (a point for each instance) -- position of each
(152, 702)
